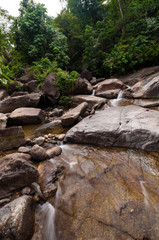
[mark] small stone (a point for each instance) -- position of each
(54, 151)
(39, 140)
(26, 191)
(24, 150)
(38, 153)
(61, 137)
(49, 135)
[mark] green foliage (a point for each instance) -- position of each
(66, 81)
(5, 74)
(65, 101)
(42, 68)
(71, 27)
(128, 55)
(18, 87)
(35, 37)
(59, 49)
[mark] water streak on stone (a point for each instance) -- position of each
(47, 215)
(144, 191)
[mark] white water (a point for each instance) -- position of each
(120, 95)
(47, 216)
(115, 102)
(71, 164)
(93, 93)
(58, 195)
(144, 192)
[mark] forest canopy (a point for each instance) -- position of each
(107, 37)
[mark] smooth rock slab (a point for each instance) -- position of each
(11, 138)
(16, 172)
(70, 117)
(128, 126)
(109, 194)
(17, 219)
(147, 102)
(23, 116)
(11, 103)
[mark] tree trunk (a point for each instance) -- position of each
(121, 11)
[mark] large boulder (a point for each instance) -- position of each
(31, 86)
(82, 86)
(25, 78)
(21, 116)
(11, 103)
(49, 89)
(17, 219)
(129, 126)
(70, 117)
(109, 88)
(3, 121)
(11, 138)
(86, 74)
(91, 100)
(49, 174)
(110, 194)
(16, 172)
(148, 88)
(143, 74)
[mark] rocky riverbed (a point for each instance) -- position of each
(87, 173)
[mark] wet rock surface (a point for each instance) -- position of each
(54, 151)
(16, 172)
(108, 194)
(17, 219)
(49, 173)
(128, 126)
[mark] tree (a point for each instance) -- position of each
(34, 34)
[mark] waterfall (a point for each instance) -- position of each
(115, 102)
(93, 93)
(46, 222)
(120, 95)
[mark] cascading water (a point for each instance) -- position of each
(46, 223)
(115, 102)
(93, 93)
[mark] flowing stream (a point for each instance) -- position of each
(105, 193)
